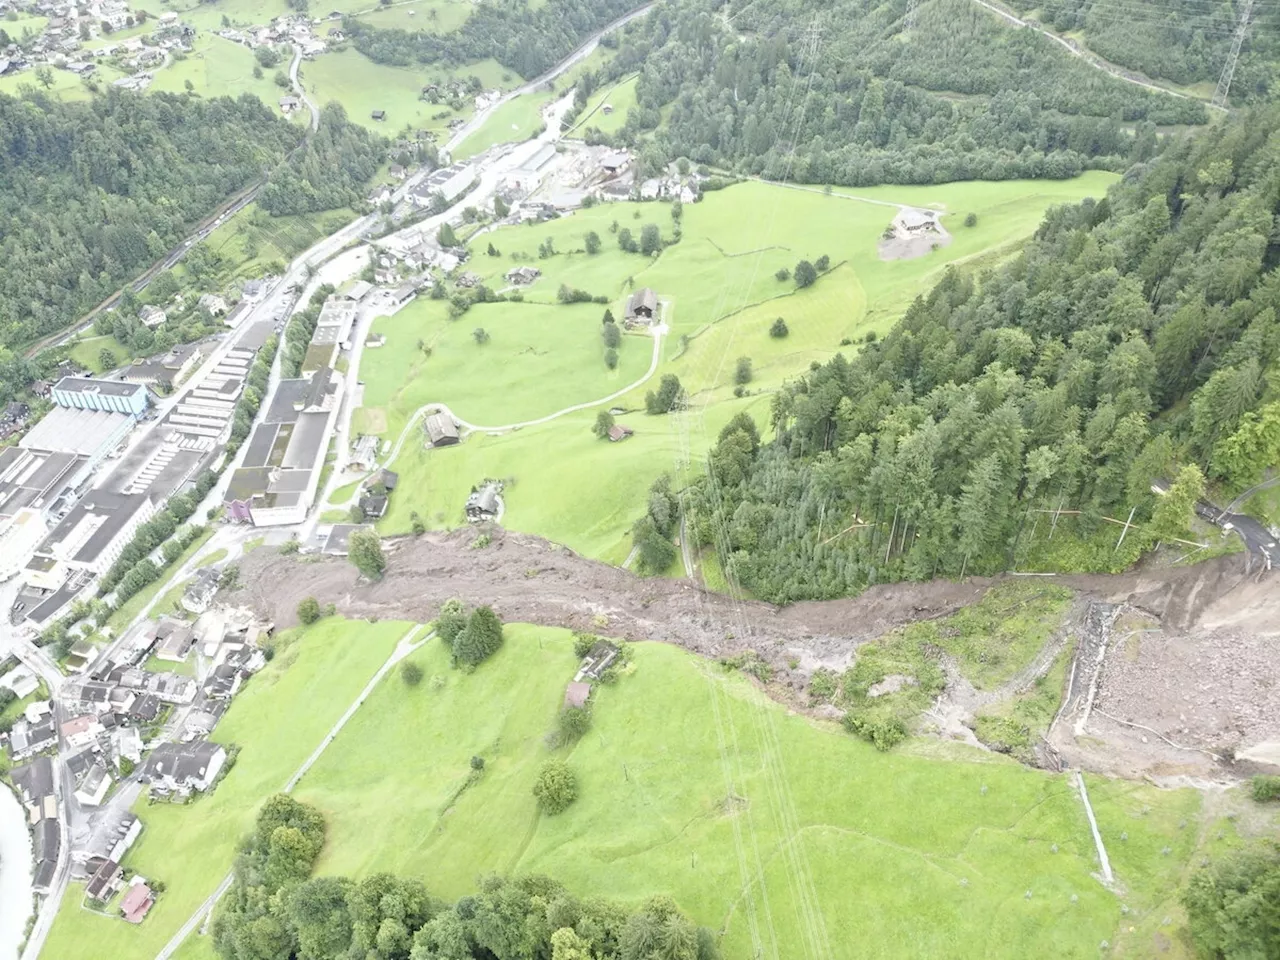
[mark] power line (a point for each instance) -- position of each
(1229, 68)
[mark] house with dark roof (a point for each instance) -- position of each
(46, 847)
(184, 767)
(105, 881)
(641, 308)
(484, 503)
(618, 433)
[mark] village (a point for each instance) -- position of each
(136, 715)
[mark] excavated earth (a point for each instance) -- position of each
(1189, 676)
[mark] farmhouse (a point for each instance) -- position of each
(485, 503)
(618, 433)
(373, 505)
(441, 429)
(599, 658)
(522, 276)
(615, 161)
(641, 306)
(919, 221)
(398, 171)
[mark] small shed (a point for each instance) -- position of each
(618, 432)
(379, 115)
(577, 694)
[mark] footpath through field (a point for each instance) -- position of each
(405, 647)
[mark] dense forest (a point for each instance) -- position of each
(527, 40)
(959, 96)
(1185, 41)
(275, 910)
(331, 170)
(92, 193)
(1135, 338)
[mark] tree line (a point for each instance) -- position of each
(959, 96)
(524, 39)
(330, 171)
(92, 193)
(275, 910)
(1134, 339)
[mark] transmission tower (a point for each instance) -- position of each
(1229, 68)
(909, 18)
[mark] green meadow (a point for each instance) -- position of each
(363, 86)
(784, 834)
(620, 97)
(220, 68)
(516, 120)
(87, 353)
(723, 296)
(277, 721)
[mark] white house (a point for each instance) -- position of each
(21, 681)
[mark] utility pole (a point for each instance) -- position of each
(1229, 68)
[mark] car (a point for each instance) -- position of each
(187, 244)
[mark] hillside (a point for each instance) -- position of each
(1135, 338)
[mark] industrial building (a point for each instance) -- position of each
(85, 393)
(277, 480)
(450, 182)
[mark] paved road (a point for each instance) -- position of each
(297, 88)
(405, 647)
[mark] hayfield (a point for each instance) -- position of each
(787, 835)
(720, 281)
(277, 721)
(363, 86)
(514, 121)
(621, 97)
(220, 68)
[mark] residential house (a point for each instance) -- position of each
(34, 784)
(289, 104)
(46, 847)
(152, 316)
(373, 505)
(81, 731)
(389, 479)
(919, 221)
(335, 545)
(398, 171)
(364, 452)
(175, 638)
(93, 789)
(184, 767)
(485, 503)
(223, 682)
(599, 658)
(199, 593)
(104, 883)
(137, 901)
(523, 276)
(27, 739)
(214, 304)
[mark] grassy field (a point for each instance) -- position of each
(434, 16)
(86, 353)
(621, 97)
(515, 120)
(775, 829)
(217, 68)
(277, 721)
(723, 297)
(363, 86)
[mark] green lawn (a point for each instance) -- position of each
(218, 67)
(363, 86)
(724, 296)
(86, 353)
(759, 822)
(278, 720)
(1265, 504)
(621, 97)
(514, 121)
(15, 708)
(434, 16)
(185, 668)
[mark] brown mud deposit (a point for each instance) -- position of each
(1202, 669)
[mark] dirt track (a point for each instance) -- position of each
(1203, 673)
